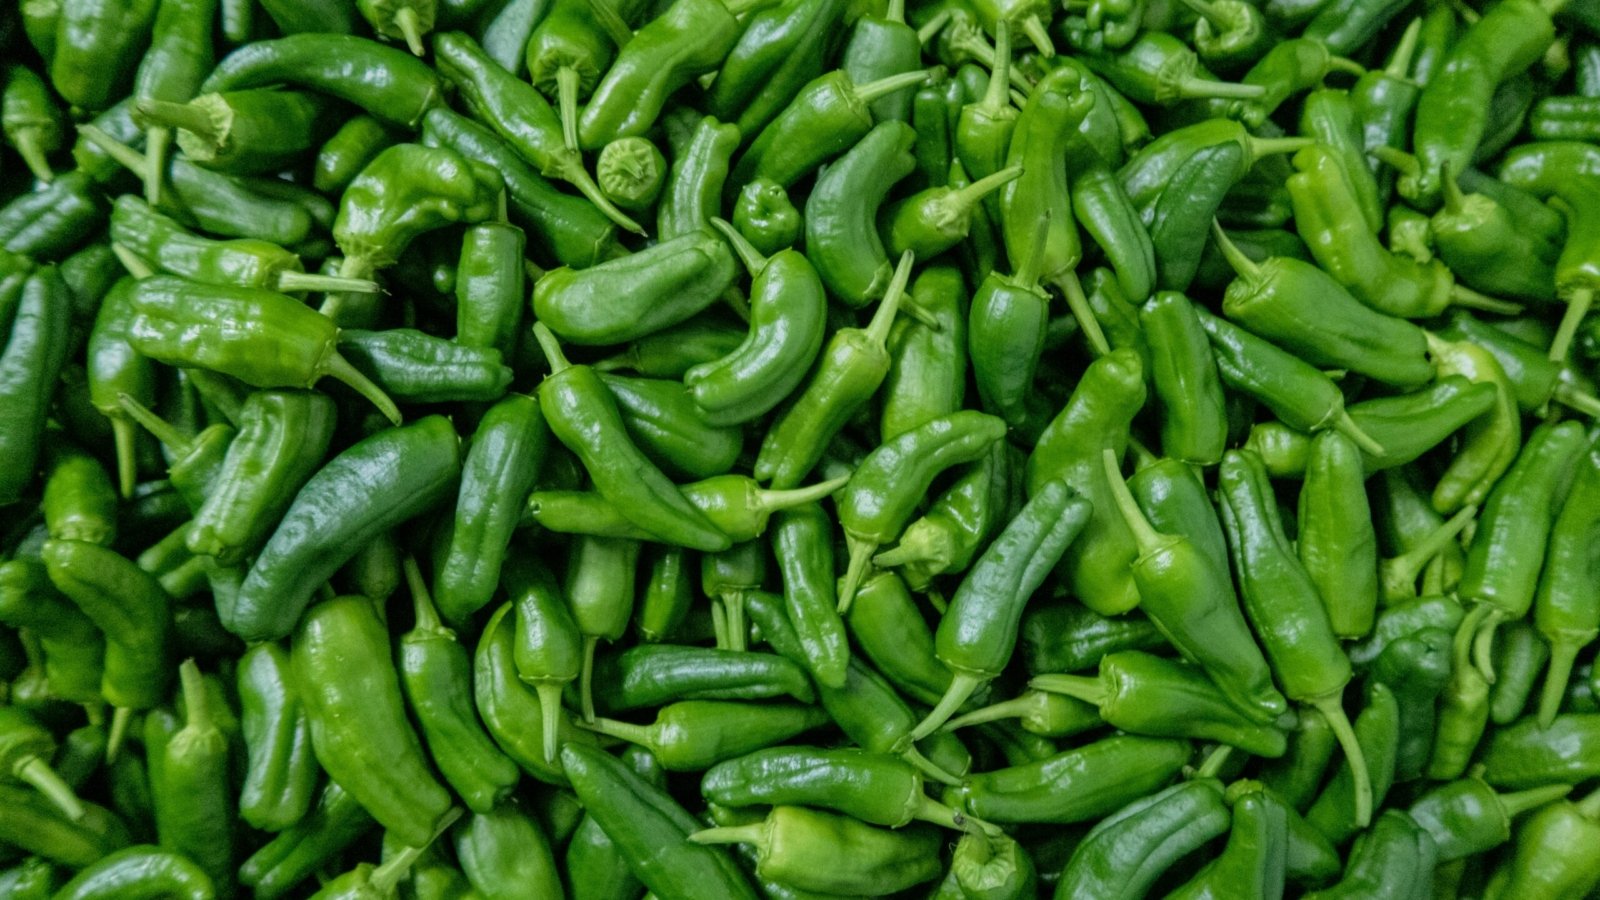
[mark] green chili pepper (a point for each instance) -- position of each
(956, 525)
(1229, 34)
(1468, 817)
(881, 495)
(511, 710)
(650, 829)
(25, 750)
(1127, 851)
(690, 38)
(890, 631)
(364, 491)
(827, 117)
(282, 773)
(1097, 417)
(574, 400)
(1416, 667)
(30, 119)
(1186, 593)
(1336, 541)
(853, 364)
(664, 285)
(96, 49)
(667, 594)
(1302, 308)
(1254, 860)
(595, 866)
(1282, 603)
(345, 675)
(408, 20)
(1007, 316)
(53, 221)
(29, 365)
(1395, 858)
(693, 735)
(72, 645)
(782, 47)
(1453, 111)
(194, 802)
(140, 871)
(245, 132)
(336, 822)
(1377, 728)
(793, 841)
(344, 154)
(79, 502)
(435, 672)
(1070, 637)
(842, 240)
(693, 190)
(1193, 420)
(1039, 712)
(573, 230)
(1563, 612)
(386, 82)
(1144, 694)
(978, 633)
(1298, 774)
(126, 604)
(1508, 546)
(1158, 68)
(1551, 859)
(196, 459)
(631, 172)
(1490, 442)
(599, 589)
(735, 504)
(1519, 659)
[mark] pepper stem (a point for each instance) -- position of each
(896, 12)
(961, 687)
(1259, 148)
(1361, 779)
(164, 431)
(123, 434)
(1400, 573)
(612, 22)
(569, 168)
(1034, 29)
(883, 87)
(1461, 295)
(1563, 654)
(1015, 708)
(754, 833)
(1214, 761)
(931, 810)
(1399, 160)
(933, 26)
(1347, 426)
(918, 312)
(860, 557)
(133, 262)
(1405, 50)
(733, 610)
(1576, 399)
(771, 501)
(1087, 688)
(883, 317)
(550, 713)
(1577, 309)
(643, 735)
(387, 875)
(184, 116)
(121, 716)
(1193, 87)
(156, 141)
(126, 156)
(1518, 802)
(917, 544)
(753, 259)
(586, 679)
(339, 368)
(997, 96)
(427, 616)
(196, 704)
(1072, 289)
(551, 347)
(26, 141)
(567, 102)
(1346, 65)
(1242, 265)
(1208, 12)
(37, 773)
(963, 199)
(1148, 538)
(296, 282)
(928, 767)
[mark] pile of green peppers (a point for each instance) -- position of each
(799, 449)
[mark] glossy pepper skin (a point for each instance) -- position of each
(582, 415)
(781, 49)
(364, 491)
(1336, 541)
(652, 675)
(96, 48)
(735, 504)
(342, 666)
(1126, 852)
(30, 119)
(436, 675)
(422, 368)
(1550, 860)
(194, 800)
(1282, 603)
(1467, 817)
(793, 841)
(802, 542)
(764, 216)
(1096, 417)
(689, 39)
(1184, 588)
(130, 607)
(627, 298)
(692, 194)
(1288, 301)
(141, 870)
(281, 774)
(73, 647)
(842, 238)
(78, 501)
(509, 708)
(282, 437)
(1563, 612)
(1069, 637)
(32, 359)
(978, 633)
(693, 735)
(650, 829)
(1144, 694)
(388, 83)
(1006, 332)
